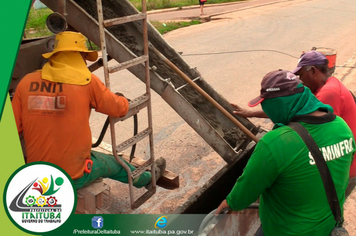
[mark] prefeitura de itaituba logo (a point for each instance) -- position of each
(39, 195)
(42, 206)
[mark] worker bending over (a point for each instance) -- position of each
(280, 170)
(313, 71)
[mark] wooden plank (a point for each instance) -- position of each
(91, 198)
(80, 204)
(99, 200)
(94, 188)
(90, 203)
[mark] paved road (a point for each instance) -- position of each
(232, 54)
(329, 31)
(210, 10)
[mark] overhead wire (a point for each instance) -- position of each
(251, 50)
(239, 51)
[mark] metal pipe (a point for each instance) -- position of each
(204, 94)
(62, 7)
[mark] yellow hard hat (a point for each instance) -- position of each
(71, 41)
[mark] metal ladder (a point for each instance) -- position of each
(135, 105)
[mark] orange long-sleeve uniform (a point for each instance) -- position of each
(54, 119)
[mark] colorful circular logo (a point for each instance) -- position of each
(39, 197)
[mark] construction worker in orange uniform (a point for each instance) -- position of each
(52, 108)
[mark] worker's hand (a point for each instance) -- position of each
(248, 113)
(223, 205)
(119, 94)
(122, 95)
(241, 111)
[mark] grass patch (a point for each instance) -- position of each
(36, 23)
(169, 26)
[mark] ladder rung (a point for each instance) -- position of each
(133, 140)
(129, 63)
(135, 106)
(142, 168)
(124, 19)
(143, 198)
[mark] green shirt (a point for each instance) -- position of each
(293, 199)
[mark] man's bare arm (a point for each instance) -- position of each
(248, 113)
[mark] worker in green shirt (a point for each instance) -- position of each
(281, 170)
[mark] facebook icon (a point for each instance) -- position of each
(97, 222)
